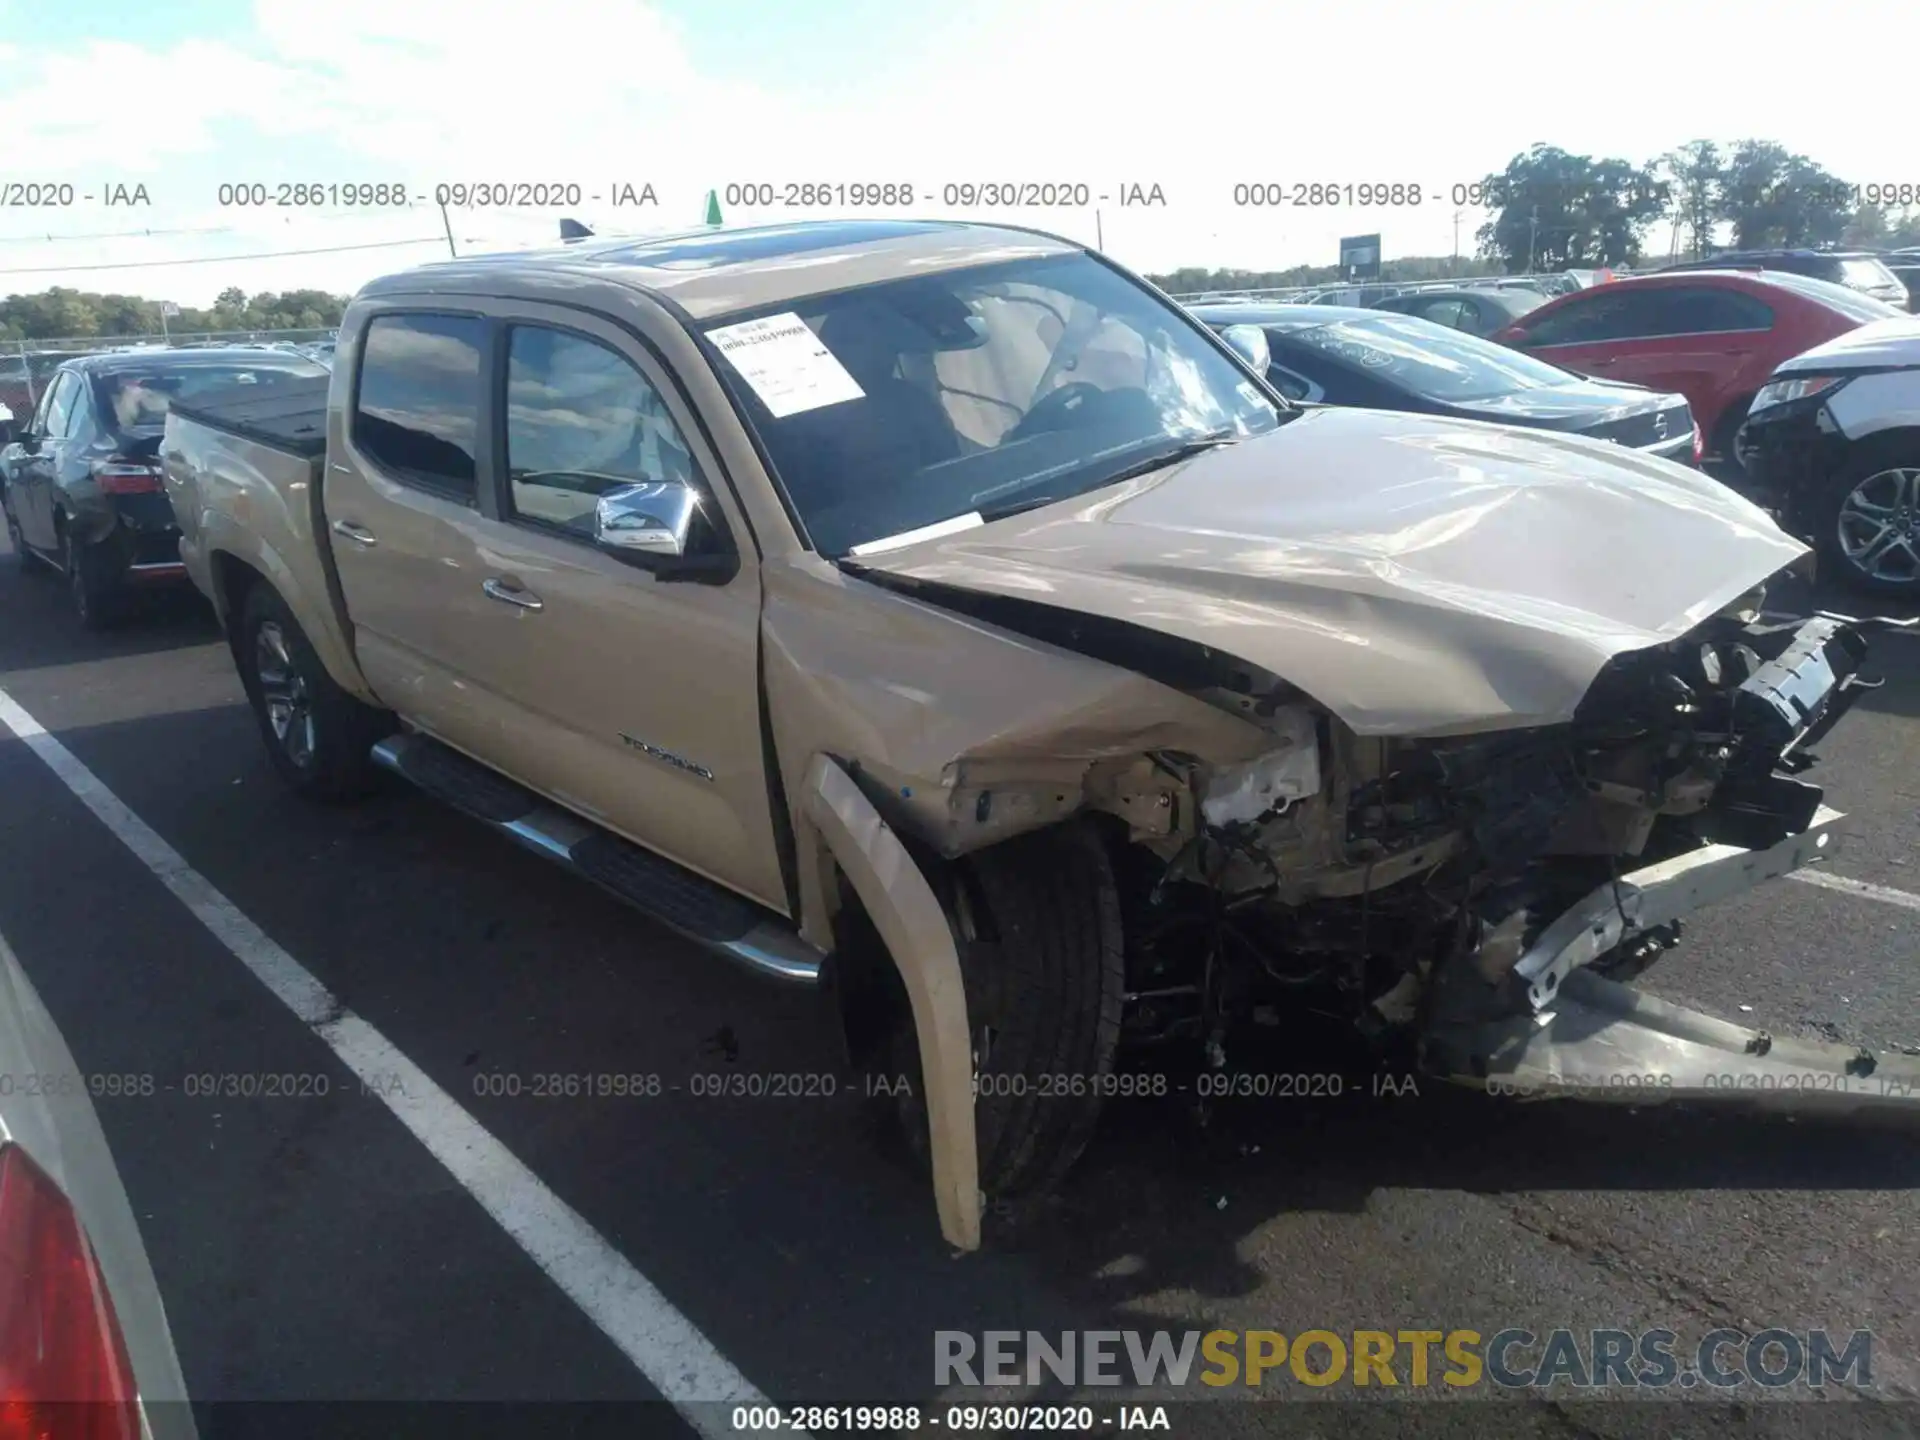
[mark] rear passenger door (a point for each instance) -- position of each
(1692, 338)
(402, 497)
(33, 479)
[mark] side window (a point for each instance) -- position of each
(1292, 384)
(1685, 311)
(581, 421)
(417, 412)
(1443, 312)
(56, 406)
(1608, 315)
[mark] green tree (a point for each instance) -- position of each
(1694, 174)
(1553, 209)
(1773, 197)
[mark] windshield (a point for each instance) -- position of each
(1430, 360)
(901, 405)
(139, 399)
(1864, 272)
(1848, 301)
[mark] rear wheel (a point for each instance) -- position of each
(318, 736)
(1868, 520)
(1721, 443)
(1038, 920)
(22, 556)
(93, 582)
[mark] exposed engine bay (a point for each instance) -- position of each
(1415, 880)
(1404, 884)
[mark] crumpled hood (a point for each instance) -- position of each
(1880, 344)
(1416, 576)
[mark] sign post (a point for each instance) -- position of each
(1360, 257)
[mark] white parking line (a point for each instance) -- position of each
(1885, 894)
(662, 1343)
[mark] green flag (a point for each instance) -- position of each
(713, 207)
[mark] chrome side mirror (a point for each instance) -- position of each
(650, 519)
(1249, 342)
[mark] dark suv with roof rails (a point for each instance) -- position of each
(1860, 270)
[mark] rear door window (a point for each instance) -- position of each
(1686, 310)
(1607, 315)
(416, 412)
(56, 409)
(1443, 312)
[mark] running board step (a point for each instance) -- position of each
(688, 903)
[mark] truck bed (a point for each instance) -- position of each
(290, 416)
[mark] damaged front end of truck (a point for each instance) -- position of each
(1481, 898)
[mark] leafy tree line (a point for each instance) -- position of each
(1554, 210)
(61, 312)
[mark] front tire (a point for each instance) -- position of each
(1038, 923)
(317, 735)
(1867, 521)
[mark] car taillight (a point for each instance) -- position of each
(64, 1373)
(123, 477)
(1699, 445)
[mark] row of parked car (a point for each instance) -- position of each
(941, 616)
(1803, 393)
(1892, 276)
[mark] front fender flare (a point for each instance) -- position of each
(913, 925)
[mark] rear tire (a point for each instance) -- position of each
(1723, 448)
(1038, 920)
(1878, 484)
(23, 558)
(318, 736)
(93, 583)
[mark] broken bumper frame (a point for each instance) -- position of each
(1578, 1035)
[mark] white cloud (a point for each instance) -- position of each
(1194, 97)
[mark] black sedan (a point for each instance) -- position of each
(80, 484)
(1329, 355)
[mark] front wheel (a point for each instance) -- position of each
(1868, 521)
(1037, 919)
(318, 736)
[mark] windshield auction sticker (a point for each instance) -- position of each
(785, 363)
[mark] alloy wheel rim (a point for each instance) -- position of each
(1878, 526)
(283, 690)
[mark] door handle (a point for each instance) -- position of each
(512, 595)
(359, 534)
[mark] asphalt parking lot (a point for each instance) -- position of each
(310, 1247)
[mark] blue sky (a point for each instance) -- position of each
(687, 94)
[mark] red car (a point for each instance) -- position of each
(1712, 335)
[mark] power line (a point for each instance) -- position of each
(113, 235)
(219, 259)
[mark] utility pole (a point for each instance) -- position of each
(1454, 269)
(448, 226)
(1533, 231)
(1099, 234)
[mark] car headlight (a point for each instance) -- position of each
(1800, 387)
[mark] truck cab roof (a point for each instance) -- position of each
(713, 272)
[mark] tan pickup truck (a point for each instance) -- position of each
(941, 614)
